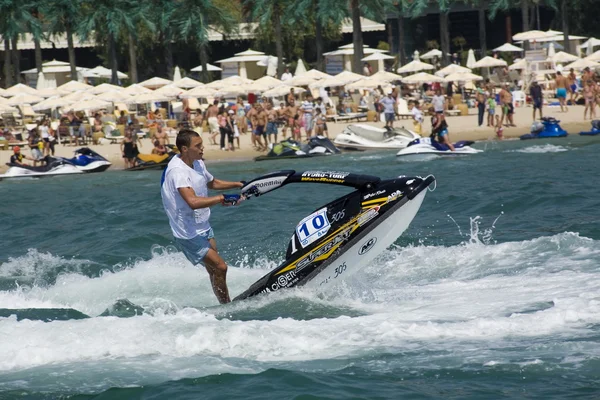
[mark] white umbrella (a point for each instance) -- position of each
(562, 57)
(51, 92)
(551, 50)
(209, 67)
(521, 64)
(301, 80)
(237, 90)
(176, 74)
(234, 80)
(73, 86)
(41, 81)
(367, 83)
(385, 76)
(414, 66)
(51, 104)
(19, 88)
(199, 92)
(24, 98)
(150, 98)
(103, 72)
(5, 108)
(463, 77)
(594, 57)
(508, 48)
(379, 57)
(79, 96)
(315, 73)
(489, 62)
(268, 81)
(422, 77)
(2, 92)
(452, 69)
(471, 59)
(116, 97)
(187, 83)
(282, 91)
(93, 104)
(105, 87)
(300, 68)
(341, 79)
(136, 89)
(590, 42)
(583, 63)
(532, 35)
(170, 90)
(431, 54)
(155, 82)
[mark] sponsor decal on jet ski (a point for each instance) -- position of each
(319, 176)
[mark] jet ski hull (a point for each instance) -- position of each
(95, 166)
(426, 152)
(364, 137)
(16, 172)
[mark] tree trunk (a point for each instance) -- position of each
(71, 51)
(537, 14)
(444, 37)
(114, 66)
(38, 55)
(169, 56)
(8, 77)
(565, 25)
(133, 75)
(16, 60)
(357, 38)
(204, 63)
(508, 28)
(482, 32)
(319, 45)
(278, 40)
(401, 40)
(532, 16)
(525, 18)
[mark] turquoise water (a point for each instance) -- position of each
(493, 292)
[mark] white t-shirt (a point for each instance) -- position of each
(185, 222)
(438, 103)
(417, 114)
(44, 130)
(286, 76)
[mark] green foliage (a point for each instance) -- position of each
(17, 17)
(432, 44)
(459, 41)
(191, 20)
(383, 46)
(62, 15)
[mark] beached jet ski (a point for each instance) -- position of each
(154, 161)
(363, 136)
(427, 149)
(88, 160)
(548, 128)
(343, 236)
(288, 148)
(595, 129)
(52, 167)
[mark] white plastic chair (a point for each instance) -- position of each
(519, 98)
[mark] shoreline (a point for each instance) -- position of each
(460, 128)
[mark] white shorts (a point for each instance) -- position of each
(213, 123)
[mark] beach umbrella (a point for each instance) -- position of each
(531, 35)
(2, 92)
(379, 57)
(463, 77)
(79, 96)
(489, 62)
(521, 64)
(234, 80)
(431, 54)
(51, 104)
(19, 88)
(341, 79)
(551, 50)
(367, 83)
(5, 108)
(282, 91)
(51, 92)
(176, 74)
(316, 74)
(93, 104)
(156, 82)
(452, 69)
(116, 97)
(170, 90)
(187, 83)
(471, 59)
(151, 97)
(24, 98)
(414, 66)
(209, 67)
(135, 89)
(385, 76)
(562, 57)
(300, 68)
(268, 81)
(74, 86)
(199, 92)
(103, 72)
(508, 48)
(301, 80)
(594, 57)
(236, 90)
(583, 63)
(593, 42)
(422, 77)
(105, 87)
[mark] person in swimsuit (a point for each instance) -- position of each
(561, 91)
(241, 121)
(129, 150)
(271, 124)
(439, 129)
(589, 93)
(572, 80)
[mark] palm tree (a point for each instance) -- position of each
(63, 16)
(111, 17)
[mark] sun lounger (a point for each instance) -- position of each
(452, 113)
(402, 111)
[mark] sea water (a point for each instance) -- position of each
(493, 292)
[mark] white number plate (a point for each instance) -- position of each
(313, 227)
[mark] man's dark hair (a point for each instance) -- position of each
(215, 102)
(184, 138)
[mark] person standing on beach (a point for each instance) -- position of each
(271, 123)
(287, 75)
(537, 97)
(291, 112)
(184, 192)
(389, 109)
(561, 90)
(439, 102)
(572, 81)
(212, 113)
(589, 93)
(480, 105)
(259, 121)
(308, 114)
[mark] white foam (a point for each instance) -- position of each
(539, 149)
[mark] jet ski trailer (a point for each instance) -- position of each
(343, 236)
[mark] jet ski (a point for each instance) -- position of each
(363, 136)
(548, 128)
(595, 129)
(52, 167)
(289, 148)
(343, 236)
(154, 161)
(88, 160)
(424, 149)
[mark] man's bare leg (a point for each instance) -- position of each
(217, 270)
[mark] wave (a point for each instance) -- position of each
(540, 149)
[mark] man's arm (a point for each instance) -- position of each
(217, 184)
(195, 202)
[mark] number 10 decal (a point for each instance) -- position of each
(313, 227)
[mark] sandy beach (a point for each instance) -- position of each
(460, 127)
